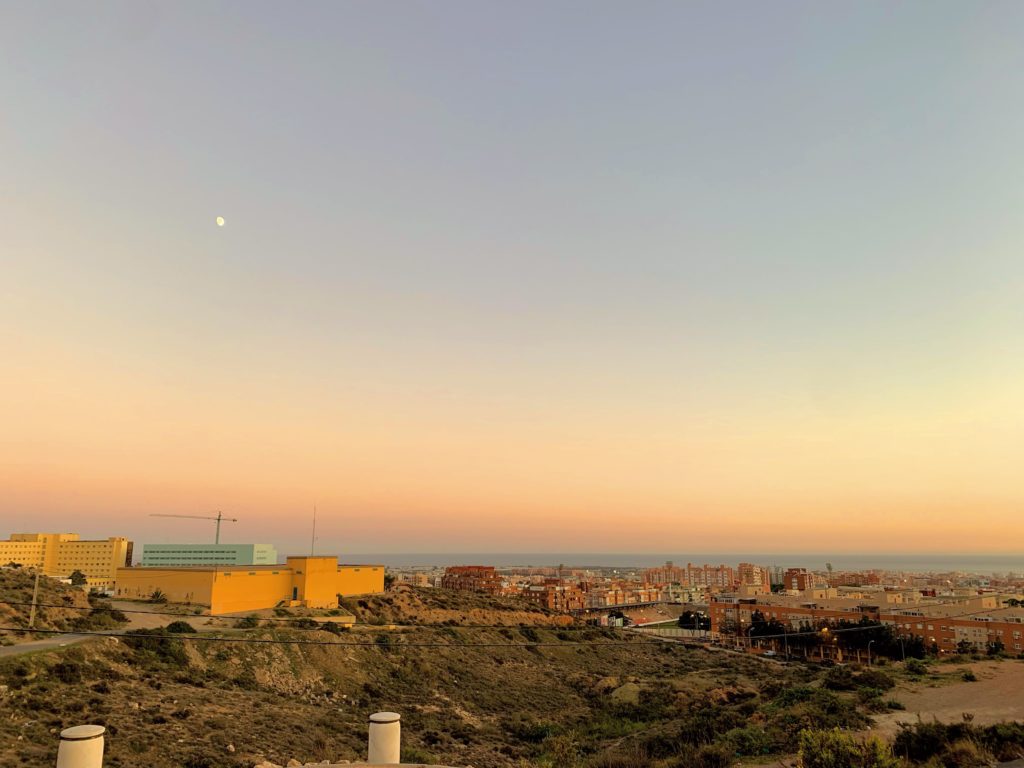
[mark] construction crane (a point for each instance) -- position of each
(220, 517)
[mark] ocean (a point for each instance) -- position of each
(921, 563)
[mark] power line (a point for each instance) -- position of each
(373, 644)
(289, 620)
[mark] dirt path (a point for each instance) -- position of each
(997, 695)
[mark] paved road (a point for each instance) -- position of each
(46, 644)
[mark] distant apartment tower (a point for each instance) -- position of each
(753, 575)
(178, 555)
(665, 574)
(710, 575)
(61, 554)
(798, 579)
(472, 578)
(556, 597)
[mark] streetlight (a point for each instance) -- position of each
(869, 651)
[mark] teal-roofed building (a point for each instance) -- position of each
(208, 554)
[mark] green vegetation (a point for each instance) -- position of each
(835, 749)
(476, 697)
(959, 745)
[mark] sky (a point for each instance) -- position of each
(570, 276)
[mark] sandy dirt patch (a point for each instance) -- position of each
(997, 695)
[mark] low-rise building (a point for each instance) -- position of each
(61, 554)
(208, 554)
(473, 578)
(943, 624)
(309, 581)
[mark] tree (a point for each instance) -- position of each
(964, 647)
(694, 620)
(389, 580)
(995, 648)
(78, 578)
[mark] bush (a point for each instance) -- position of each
(916, 667)
(247, 622)
(750, 740)
(161, 649)
(69, 672)
(306, 623)
(707, 756)
(969, 676)
(179, 628)
(873, 678)
(839, 679)
(835, 749)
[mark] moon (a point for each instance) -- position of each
(220, 221)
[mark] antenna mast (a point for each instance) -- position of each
(312, 542)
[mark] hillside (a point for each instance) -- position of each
(410, 605)
(501, 697)
(475, 697)
(74, 609)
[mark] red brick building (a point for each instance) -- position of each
(472, 578)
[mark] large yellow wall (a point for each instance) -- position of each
(181, 585)
(250, 590)
(315, 582)
(360, 579)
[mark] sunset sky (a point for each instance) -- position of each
(566, 276)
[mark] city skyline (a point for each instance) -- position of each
(516, 279)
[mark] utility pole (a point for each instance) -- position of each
(35, 599)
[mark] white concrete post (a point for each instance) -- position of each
(81, 747)
(385, 739)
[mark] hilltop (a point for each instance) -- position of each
(411, 605)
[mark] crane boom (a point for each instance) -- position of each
(219, 518)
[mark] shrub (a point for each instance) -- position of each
(180, 628)
(247, 622)
(635, 758)
(965, 753)
(873, 678)
(916, 667)
(1005, 740)
(835, 749)
(750, 740)
(160, 648)
(707, 756)
(969, 676)
(69, 672)
(839, 679)
(333, 627)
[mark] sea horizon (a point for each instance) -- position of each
(921, 563)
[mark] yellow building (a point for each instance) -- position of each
(314, 582)
(61, 554)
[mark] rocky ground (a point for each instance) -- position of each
(523, 690)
